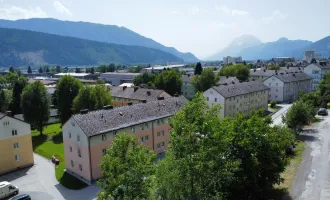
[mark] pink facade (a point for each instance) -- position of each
(84, 171)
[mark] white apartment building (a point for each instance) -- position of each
(285, 87)
(229, 59)
(317, 72)
(238, 97)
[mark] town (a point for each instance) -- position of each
(191, 105)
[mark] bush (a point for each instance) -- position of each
(273, 104)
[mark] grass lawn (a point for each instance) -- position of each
(291, 170)
(274, 110)
(49, 144)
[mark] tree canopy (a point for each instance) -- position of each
(240, 71)
(66, 90)
(206, 80)
(198, 69)
(35, 105)
(126, 167)
(169, 81)
(29, 70)
(18, 86)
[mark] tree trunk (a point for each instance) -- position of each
(40, 129)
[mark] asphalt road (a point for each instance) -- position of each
(312, 181)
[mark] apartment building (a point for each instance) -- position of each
(238, 97)
(317, 72)
(187, 89)
(229, 59)
(264, 73)
(15, 144)
(285, 87)
(87, 136)
(118, 78)
(123, 96)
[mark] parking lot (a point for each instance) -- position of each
(40, 183)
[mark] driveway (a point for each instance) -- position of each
(312, 181)
(277, 117)
(40, 183)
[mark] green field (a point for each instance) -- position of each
(49, 144)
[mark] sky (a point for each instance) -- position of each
(202, 27)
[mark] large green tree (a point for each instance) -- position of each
(169, 81)
(5, 99)
(206, 80)
(145, 78)
(29, 70)
(66, 90)
(58, 69)
(36, 105)
(126, 167)
(198, 69)
(240, 71)
(18, 86)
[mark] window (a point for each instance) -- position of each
(14, 132)
(211, 92)
(142, 126)
(146, 138)
(158, 134)
(162, 133)
(16, 146)
(142, 139)
(79, 153)
(160, 145)
(207, 98)
(80, 167)
(146, 125)
(78, 138)
(73, 124)
(162, 120)
(104, 151)
(70, 148)
(158, 123)
(17, 158)
(6, 123)
(133, 129)
(69, 135)
(215, 99)
(104, 137)
(72, 164)
(114, 133)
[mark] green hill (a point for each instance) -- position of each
(22, 47)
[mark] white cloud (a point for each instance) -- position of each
(195, 10)
(232, 12)
(276, 15)
(61, 8)
(13, 12)
(175, 12)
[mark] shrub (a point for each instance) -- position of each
(273, 104)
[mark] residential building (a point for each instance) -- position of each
(264, 73)
(310, 55)
(160, 68)
(317, 72)
(116, 78)
(280, 59)
(285, 87)
(187, 89)
(82, 76)
(229, 59)
(238, 97)
(87, 136)
(15, 144)
(123, 96)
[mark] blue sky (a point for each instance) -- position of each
(200, 26)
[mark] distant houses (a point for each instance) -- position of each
(317, 72)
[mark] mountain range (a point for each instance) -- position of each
(22, 47)
(92, 31)
(251, 48)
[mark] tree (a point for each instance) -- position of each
(77, 70)
(206, 80)
(273, 104)
(102, 68)
(36, 98)
(100, 81)
(169, 81)
(92, 70)
(40, 70)
(198, 69)
(126, 167)
(240, 71)
(91, 98)
(274, 67)
(5, 99)
(11, 69)
(18, 86)
(144, 78)
(29, 70)
(58, 69)
(47, 69)
(66, 90)
(11, 78)
(111, 67)
(282, 63)
(298, 115)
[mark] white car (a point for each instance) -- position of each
(7, 189)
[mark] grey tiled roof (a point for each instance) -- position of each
(323, 66)
(139, 94)
(228, 80)
(92, 123)
(267, 72)
(238, 88)
(53, 113)
(292, 77)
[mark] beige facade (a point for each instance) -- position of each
(15, 144)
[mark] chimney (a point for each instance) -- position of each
(135, 89)
(188, 75)
(264, 70)
(129, 103)
(124, 88)
(144, 101)
(9, 113)
(107, 107)
(148, 93)
(83, 111)
(160, 98)
(254, 70)
(233, 82)
(294, 75)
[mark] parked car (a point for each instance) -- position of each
(22, 197)
(323, 111)
(7, 189)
